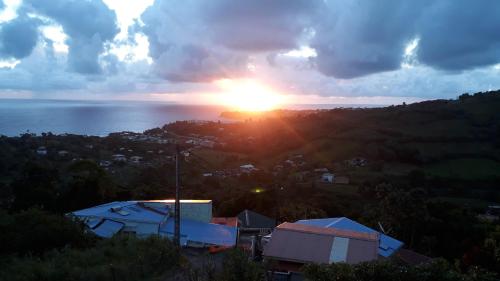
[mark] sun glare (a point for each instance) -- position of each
(248, 95)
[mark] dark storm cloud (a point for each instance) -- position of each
(364, 37)
(458, 35)
(356, 38)
(88, 24)
(352, 38)
(181, 48)
(259, 25)
(18, 37)
(193, 63)
(199, 41)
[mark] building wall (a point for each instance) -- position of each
(198, 211)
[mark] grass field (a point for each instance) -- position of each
(465, 202)
(465, 169)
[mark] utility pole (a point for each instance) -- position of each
(177, 208)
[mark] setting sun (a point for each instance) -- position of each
(248, 95)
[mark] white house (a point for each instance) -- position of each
(42, 150)
(327, 177)
(119, 158)
(136, 159)
(247, 168)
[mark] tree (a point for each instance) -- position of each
(35, 231)
(87, 185)
(36, 185)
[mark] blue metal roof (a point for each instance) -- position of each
(128, 210)
(201, 232)
(387, 247)
(108, 228)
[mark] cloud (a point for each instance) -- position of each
(18, 37)
(42, 71)
(357, 38)
(2, 4)
(181, 48)
(88, 24)
(193, 63)
(360, 47)
(259, 25)
(460, 35)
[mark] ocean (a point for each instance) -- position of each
(100, 118)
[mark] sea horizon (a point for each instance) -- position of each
(102, 117)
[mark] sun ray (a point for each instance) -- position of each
(248, 95)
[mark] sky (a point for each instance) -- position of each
(280, 51)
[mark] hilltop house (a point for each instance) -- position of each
(329, 240)
(42, 150)
(119, 158)
(327, 177)
(247, 168)
(155, 217)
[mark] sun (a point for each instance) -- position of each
(248, 95)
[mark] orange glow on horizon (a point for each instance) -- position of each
(248, 95)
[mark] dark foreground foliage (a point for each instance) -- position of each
(389, 271)
(121, 258)
(236, 266)
(33, 232)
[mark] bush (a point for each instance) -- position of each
(237, 267)
(389, 271)
(121, 258)
(34, 231)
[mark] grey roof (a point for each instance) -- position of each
(311, 244)
(251, 219)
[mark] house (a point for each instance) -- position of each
(327, 241)
(42, 150)
(156, 217)
(136, 159)
(293, 245)
(207, 174)
(327, 177)
(250, 221)
(119, 158)
(63, 153)
(104, 163)
(388, 245)
(247, 168)
(357, 162)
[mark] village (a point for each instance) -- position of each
(289, 245)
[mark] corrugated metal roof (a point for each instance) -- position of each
(306, 244)
(329, 231)
(201, 232)
(123, 210)
(108, 228)
(387, 247)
